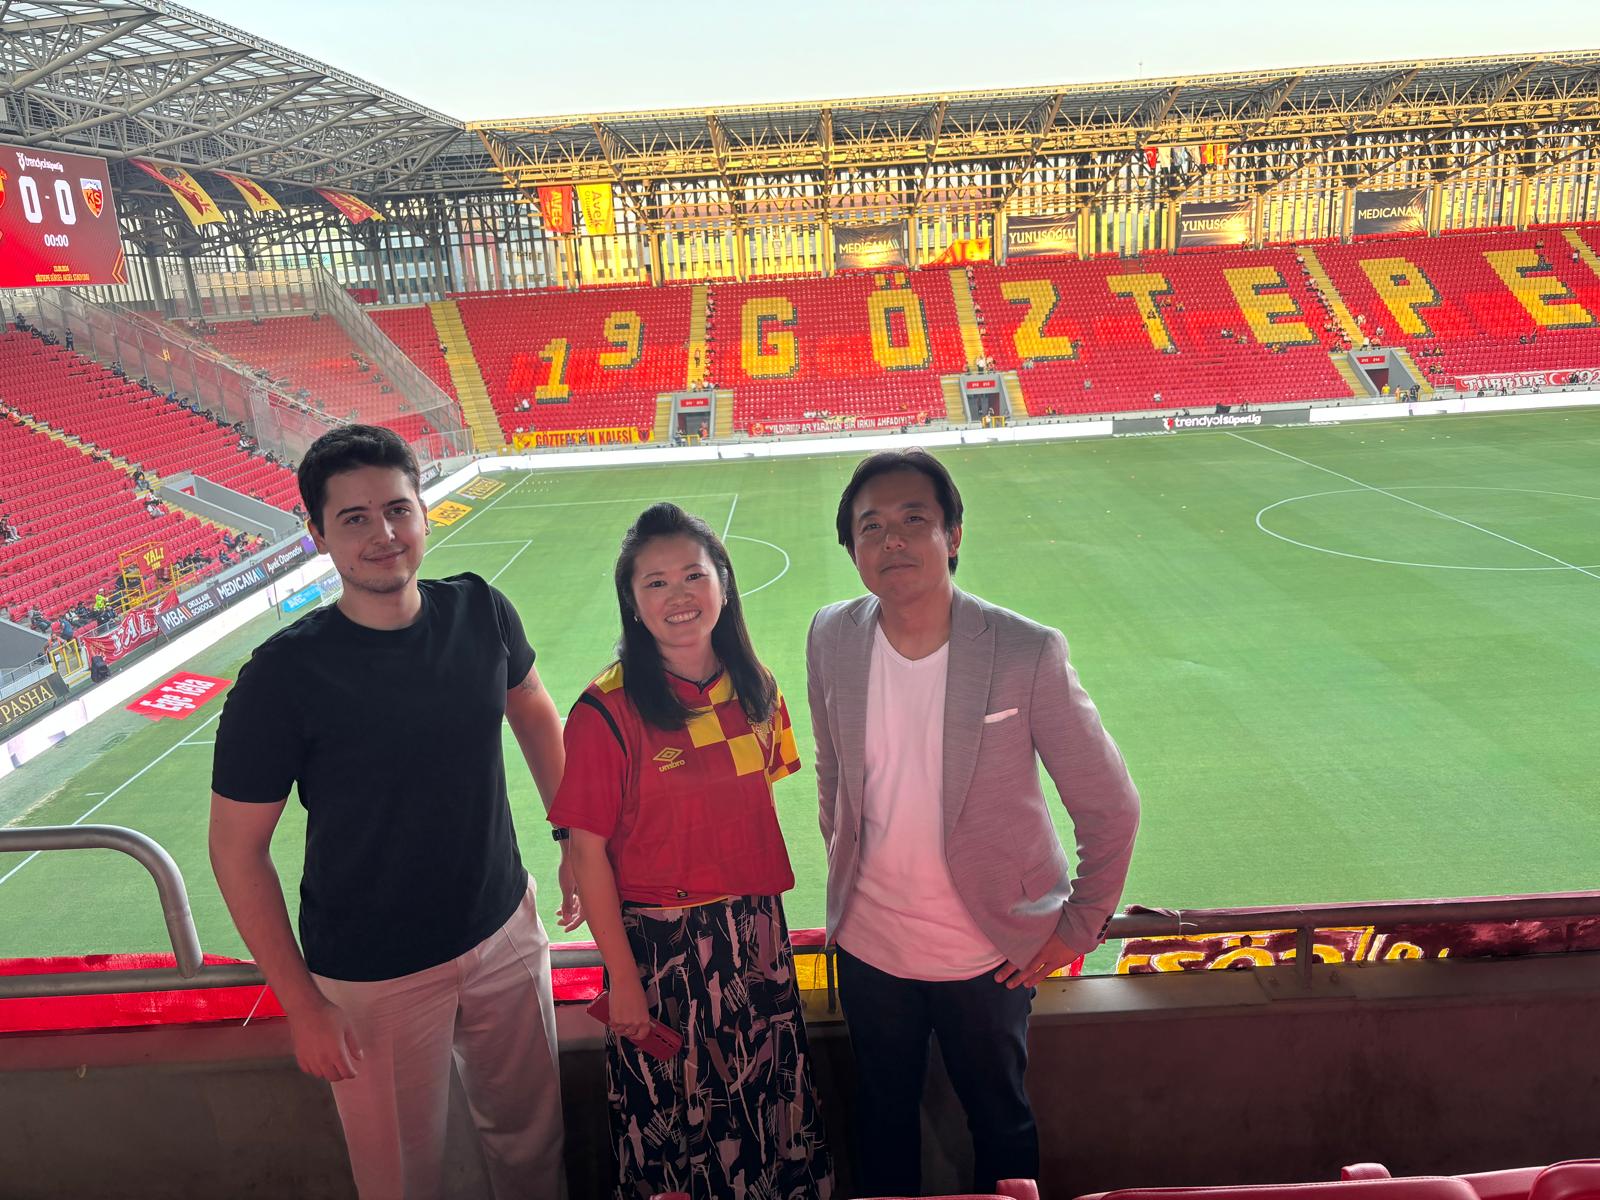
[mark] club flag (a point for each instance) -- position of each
(1152, 157)
(199, 207)
(257, 197)
(355, 210)
(1205, 154)
(1219, 153)
(1164, 157)
(599, 211)
(555, 209)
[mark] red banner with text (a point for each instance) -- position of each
(135, 629)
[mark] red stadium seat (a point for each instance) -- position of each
(1578, 1179)
(1421, 1187)
(1010, 1189)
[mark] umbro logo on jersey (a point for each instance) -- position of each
(669, 758)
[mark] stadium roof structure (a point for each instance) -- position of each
(1367, 116)
(150, 79)
(155, 80)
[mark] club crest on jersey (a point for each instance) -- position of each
(94, 194)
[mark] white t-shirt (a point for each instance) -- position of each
(905, 916)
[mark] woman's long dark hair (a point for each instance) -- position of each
(644, 678)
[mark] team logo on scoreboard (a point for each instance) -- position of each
(94, 195)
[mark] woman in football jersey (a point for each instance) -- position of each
(672, 752)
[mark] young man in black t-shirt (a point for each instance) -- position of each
(419, 936)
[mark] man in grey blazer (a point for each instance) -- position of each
(949, 893)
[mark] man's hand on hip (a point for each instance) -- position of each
(1046, 960)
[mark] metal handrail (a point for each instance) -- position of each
(149, 854)
(191, 973)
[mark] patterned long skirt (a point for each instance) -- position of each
(734, 1116)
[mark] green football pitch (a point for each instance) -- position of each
(1343, 662)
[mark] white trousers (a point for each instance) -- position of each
(492, 1010)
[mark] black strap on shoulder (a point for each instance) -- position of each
(586, 698)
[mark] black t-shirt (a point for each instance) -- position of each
(393, 737)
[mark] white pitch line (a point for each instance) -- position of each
(466, 520)
(1414, 504)
(739, 537)
(731, 509)
(622, 500)
(509, 561)
(111, 795)
(468, 545)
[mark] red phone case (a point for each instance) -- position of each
(659, 1042)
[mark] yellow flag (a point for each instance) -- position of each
(599, 215)
(257, 197)
(197, 205)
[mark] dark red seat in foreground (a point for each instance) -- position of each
(1010, 1189)
(1577, 1179)
(1420, 1187)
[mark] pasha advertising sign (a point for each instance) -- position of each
(58, 222)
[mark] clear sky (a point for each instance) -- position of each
(476, 59)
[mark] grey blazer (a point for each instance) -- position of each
(1000, 844)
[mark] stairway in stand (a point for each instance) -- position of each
(475, 406)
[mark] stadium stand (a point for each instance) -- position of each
(316, 358)
(413, 331)
(1476, 303)
(75, 515)
(582, 360)
(86, 400)
(854, 345)
(1159, 330)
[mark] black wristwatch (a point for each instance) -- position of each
(560, 833)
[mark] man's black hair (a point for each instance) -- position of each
(885, 461)
(349, 448)
(644, 677)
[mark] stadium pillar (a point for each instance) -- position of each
(1524, 197)
(189, 286)
(1347, 213)
(1257, 203)
(827, 245)
(1435, 206)
(1169, 224)
(1085, 231)
(653, 240)
(741, 252)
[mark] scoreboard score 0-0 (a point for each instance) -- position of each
(58, 223)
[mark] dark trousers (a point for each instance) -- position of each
(982, 1027)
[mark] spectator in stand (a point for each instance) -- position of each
(8, 531)
(68, 632)
(67, 339)
(37, 621)
(116, 369)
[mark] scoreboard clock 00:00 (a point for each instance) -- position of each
(58, 223)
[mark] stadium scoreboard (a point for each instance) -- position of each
(58, 222)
